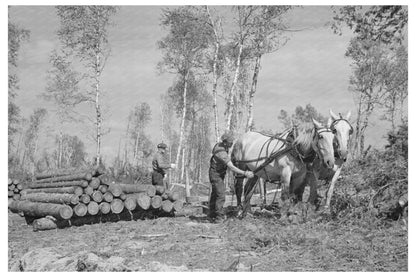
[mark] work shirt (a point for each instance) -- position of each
(219, 159)
(160, 162)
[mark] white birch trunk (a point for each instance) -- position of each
(249, 125)
(230, 103)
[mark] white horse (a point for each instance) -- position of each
(275, 159)
(342, 130)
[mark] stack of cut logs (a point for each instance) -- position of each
(69, 196)
(15, 187)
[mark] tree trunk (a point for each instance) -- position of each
(72, 177)
(36, 209)
(230, 102)
(182, 126)
(71, 190)
(215, 77)
(130, 203)
(183, 165)
(58, 198)
(143, 201)
(83, 184)
(93, 208)
(80, 209)
(156, 202)
(98, 109)
(117, 206)
(150, 190)
(105, 207)
(249, 125)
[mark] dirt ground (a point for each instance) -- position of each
(258, 242)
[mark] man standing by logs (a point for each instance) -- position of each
(219, 163)
(160, 164)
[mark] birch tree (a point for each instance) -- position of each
(182, 50)
(267, 37)
(16, 35)
(84, 30)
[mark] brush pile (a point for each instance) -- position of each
(66, 197)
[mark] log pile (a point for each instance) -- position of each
(15, 188)
(89, 196)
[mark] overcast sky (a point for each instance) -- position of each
(310, 68)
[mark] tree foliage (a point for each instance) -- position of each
(301, 116)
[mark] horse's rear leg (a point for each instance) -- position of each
(263, 191)
(248, 193)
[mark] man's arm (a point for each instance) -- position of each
(248, 174)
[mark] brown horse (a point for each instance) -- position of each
(275, 159)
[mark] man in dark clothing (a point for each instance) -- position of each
(219, 163)
(160, 164)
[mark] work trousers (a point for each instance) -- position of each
(217, 199)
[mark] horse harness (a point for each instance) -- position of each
(290, 147)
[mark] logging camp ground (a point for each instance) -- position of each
(208, 138)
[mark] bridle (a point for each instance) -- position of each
(332, 127)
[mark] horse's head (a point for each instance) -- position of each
(324, 144)
(342, 130)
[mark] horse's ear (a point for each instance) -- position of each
(348, 115)
(329, 123)
(317, 124)
(334, 116)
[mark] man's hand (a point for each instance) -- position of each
(249, 174)
(173, 166)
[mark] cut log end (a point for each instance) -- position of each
(117, 206)
(80, 209)
(93, 208)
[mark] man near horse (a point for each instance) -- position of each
(219, 163)
(160, 164)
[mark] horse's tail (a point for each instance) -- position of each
(237, 154)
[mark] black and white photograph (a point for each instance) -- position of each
(207, 137)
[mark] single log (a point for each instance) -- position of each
(97, 196)
(167, 206)
(44, 223)
(58, 172)
(156, 202)
(36, 209)
(73, 177)
(16, 190)
(178, 205)
(105, 179)
(160, 190)
(143, 200)
(130, 203)
(117, 206)
(72, 190)
(189, 211)
(123, 196)
(16, 197)
(88, 190)
(10, 181)
(95, 183)
(174, 196)
(80, 209)
(74, 199)
(128, 188)
(85, 198)
(83, 184)
(93, 208)
(16, 181)
(20, 186)
(105, 207)
(58, 198)
(12, 187)
(10, 193)
(115, 190)
(103, 188)
(108, 197)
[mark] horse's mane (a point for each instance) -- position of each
(304, 140)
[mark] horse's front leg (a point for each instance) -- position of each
(312, 177)
(263, 191)
(331, 188)
(285, 180)
(248, 193)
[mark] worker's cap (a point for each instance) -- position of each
(162, 145)
(227, 137)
